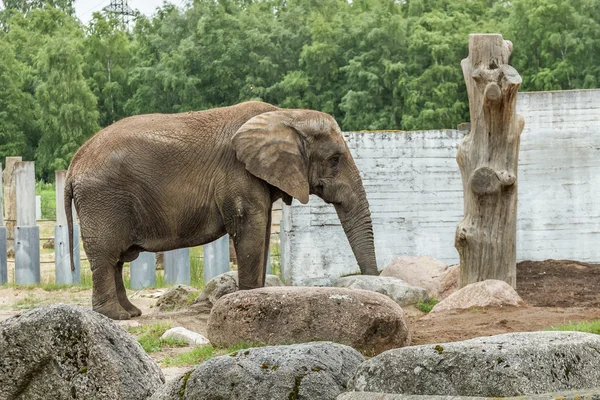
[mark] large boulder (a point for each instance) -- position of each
(176, 297)
(227, 283)
(394, 288)
(316, 371)
(489, 293)
(425, 272)
(583, 394)
(449, 282)
(504, 365)
(68, 352)
(367, 321)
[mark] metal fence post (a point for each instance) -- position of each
(216, 258)
(62, 254)
(27, 234)
(143, 271)
(177, 266)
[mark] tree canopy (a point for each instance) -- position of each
(372, 64)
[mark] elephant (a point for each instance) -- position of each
(160, 182)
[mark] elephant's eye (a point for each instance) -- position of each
(334, 161)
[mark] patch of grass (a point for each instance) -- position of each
(582, 326)
(27, 303)
(198, 355)
(427, 306)
(52, 286)
(149, 337)
(197, 267)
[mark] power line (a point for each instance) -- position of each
(122, 11)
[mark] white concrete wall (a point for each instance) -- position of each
(415, 192)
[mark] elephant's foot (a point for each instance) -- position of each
(113, 312)
(132, 310)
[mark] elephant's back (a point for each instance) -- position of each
(165, 136)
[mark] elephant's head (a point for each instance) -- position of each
(303, 152)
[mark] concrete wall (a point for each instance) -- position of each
(415, 191)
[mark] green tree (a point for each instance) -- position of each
(68, 114)
(16, 106)
(108, 60)
(557, 43)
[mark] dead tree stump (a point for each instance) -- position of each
(488, 158)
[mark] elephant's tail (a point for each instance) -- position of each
(69, 213)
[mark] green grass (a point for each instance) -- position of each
(30, 301)
(427, 306)
(198, 355)
(47, 191)
(582, 326)
(149, 337)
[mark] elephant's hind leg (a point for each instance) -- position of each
(122, 293)
(104, 290)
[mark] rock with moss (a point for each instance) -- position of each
(68, 352)
(176, 297)
(513, 364)
(367, 321)
(316, 371)
(227, 283)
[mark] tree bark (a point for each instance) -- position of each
(10, 202)
(488, 159)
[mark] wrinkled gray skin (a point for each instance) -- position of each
(160, 182)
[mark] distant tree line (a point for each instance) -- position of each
(373, 64)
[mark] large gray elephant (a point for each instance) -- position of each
(165, 181)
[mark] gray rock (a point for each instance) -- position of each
(590, 394)
(227, 283)
(68, 352)
(369, 322)
(394, 288)
(185, 335)
(176, 297)
(503, 365)
(315, 371)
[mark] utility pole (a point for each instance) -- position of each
(122, 11)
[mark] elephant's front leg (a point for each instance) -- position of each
(250, 240)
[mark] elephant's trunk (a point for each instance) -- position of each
(355, 217)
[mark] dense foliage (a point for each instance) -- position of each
(373, 64)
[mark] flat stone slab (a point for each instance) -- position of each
(369, 322)
(590, 394)
(315, 371)
(394, 288)
(512, 364)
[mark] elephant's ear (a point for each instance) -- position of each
(270, 146)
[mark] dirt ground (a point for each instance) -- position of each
(556, 292)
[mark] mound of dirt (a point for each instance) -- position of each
(559, 283)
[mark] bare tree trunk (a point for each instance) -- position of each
(488, 159)
(10, 202)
